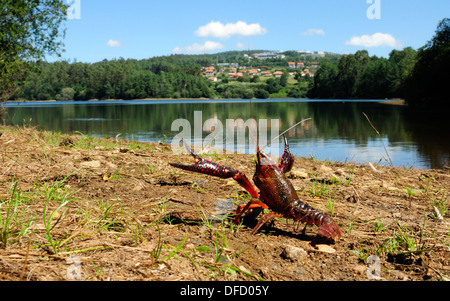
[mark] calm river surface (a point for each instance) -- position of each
(337, 131)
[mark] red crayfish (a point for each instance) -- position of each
(276, 192)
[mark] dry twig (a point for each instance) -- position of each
(389, 158)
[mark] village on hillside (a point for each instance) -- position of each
(220, 71)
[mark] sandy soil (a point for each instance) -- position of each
(77, 207)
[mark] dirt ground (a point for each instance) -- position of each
(75, 207)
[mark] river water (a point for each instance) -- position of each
(337, 130)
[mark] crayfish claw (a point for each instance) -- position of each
(330, 229)
(214, 169)
(287, 160)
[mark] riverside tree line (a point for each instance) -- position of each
(116, 79)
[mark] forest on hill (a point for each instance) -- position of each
(173, 76)
(180, 76)
(362, 76)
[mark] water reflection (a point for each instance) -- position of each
(338, 130)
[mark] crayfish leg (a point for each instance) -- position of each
(253, 204)
(304, 228)
(263, 219)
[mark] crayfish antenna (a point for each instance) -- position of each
(304, 120)
(258, 152)
(257, 128)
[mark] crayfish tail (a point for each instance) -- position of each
(305, 213)
(329, 228)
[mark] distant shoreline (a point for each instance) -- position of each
(393, 101)
(93, 100)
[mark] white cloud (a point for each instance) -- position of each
(114, 43)
(208, 46)
(240, 45)
(376, 40)
(225, 31)
(313, 32)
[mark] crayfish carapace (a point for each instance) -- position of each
(276, 192)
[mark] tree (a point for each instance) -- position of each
(272, 86)
(67, 94)
(324, 81)
(284, 79)
(427, 85)
(255, 79)
(374, 81)
(402, 62)
(351, 68)
(261, 93)
(29, 29)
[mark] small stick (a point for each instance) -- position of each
(26, 260)
(390, 162)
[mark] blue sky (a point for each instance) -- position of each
(108, 29)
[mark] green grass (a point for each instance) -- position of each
(8, 220)
(378, 226)
(404, 242)
(51, 218)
